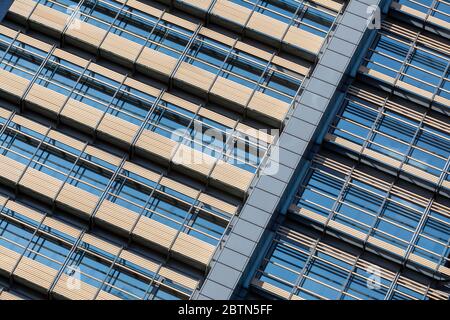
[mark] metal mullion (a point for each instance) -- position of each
(300, 277)
(30, 160)
(441, 80)
(430, 10)
(182, 226)
(58, 115)
(339, 200)
(146, 40)
(69, 21)
(144, 208)
(292, 20)
(109, 105)
(378, 213)
(350, 275)
(261, 77)
(227, 56)
(394, 281)
(442, 257)
(25, 247)
(375, 124)
(224, 153)
(410, 144)
(68, 175)
(66, 261)
(105, 191)
(244, 26)
(184, 136)
(35, 76)
(145, 122)
(110, 26)
(10, 46)
(7, 123)
(108, 272)
(149, 289)
(412, 47)
(208, 11)
(184, 53)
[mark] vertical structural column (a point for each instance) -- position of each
(231, 261)
(4, 6)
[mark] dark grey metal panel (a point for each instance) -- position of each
(302, 122)
(4, 6)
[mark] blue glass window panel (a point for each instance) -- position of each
(169, 41)
(90, 265)
(135, 195)
(54, 159)
(19, 146)
(206, 226)
(60, 5)
(51, 250)
(133, 286)
(420, 5)
(163, 294)
(17, 236)
(138, 24)
(358, 287)
(392, 48)
(97, 178)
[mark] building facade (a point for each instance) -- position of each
(224, 149)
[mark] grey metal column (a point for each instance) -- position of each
(4, 6)
(230, 262)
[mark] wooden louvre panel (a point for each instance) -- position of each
(179, 187)
(48, 19)
(191, 159)
(231, 92)
(153, 232)
(382, 158)
(179, 278)
(35, 274)
(77, 200)
(386, 246)
(65, 289)
(232, 176)
(85, 35)
(231, 12)
(266, 286)
(8, 260)
(10, 170)
(268, 107)
(258, 22)
(102, 295)
(117, 47)
(25, 211)
(21, 9)
(9, 295)
(101, 244)
(61, 227)
(116, 217)
(193, 76)
(158, 64)
(41, 184)
(154, 144)
(303, 39)
(117, 128)
(44, 100)
(12, 87)
(193, 248)
(84, 116)
(216, 203)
